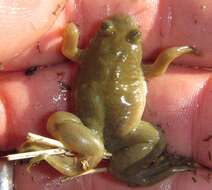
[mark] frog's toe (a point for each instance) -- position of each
(66, 165)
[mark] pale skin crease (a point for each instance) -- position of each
(161, 84)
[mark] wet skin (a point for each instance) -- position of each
(110, 99)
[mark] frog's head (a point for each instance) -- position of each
(122, 27)
(119, 35)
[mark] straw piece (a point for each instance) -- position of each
(91, 171)
(44, 140)
(59, 148)
(27, 155)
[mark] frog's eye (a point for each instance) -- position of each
(133, 36)
(107, 28)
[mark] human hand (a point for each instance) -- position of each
(179, 101)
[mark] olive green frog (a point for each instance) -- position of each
(110, 97)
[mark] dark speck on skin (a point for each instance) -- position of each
(194, 179)
(64, 86)
(32, 178)
(38, 47)
(209, 176)
(1, 66)
(55, 12)
(195, 21)
(208, 138)
(161, 34)
(31, 71)
(209, 156)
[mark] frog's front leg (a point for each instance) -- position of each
(164, 59)
(70, 42)
(142, 161)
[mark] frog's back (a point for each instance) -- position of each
(111, 87)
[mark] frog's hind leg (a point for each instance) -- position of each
(144, 140)
(87, 147)
(163, 167)
(144, 162)
(65, 164)
(76, 137)
(164, 59)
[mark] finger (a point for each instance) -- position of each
(42, 177)
(45, 50)
(162, 23)
(22, 23)
(26, 101)
(179, 102)
(177, 113)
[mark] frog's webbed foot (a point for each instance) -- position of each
(146, 162)
(68, 129)
(165, 166)
(164, 59)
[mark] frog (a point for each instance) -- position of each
(110, 98)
